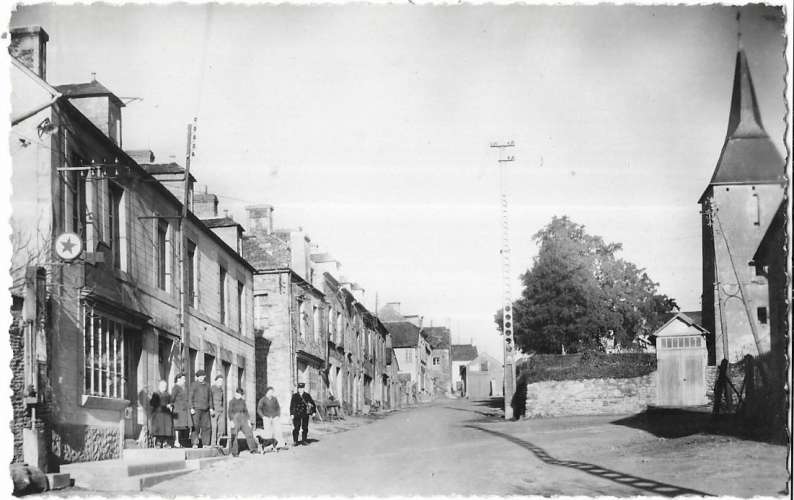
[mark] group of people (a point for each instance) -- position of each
(204, 412)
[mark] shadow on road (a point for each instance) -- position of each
(649, 485)
(677, 422)
(497, 403)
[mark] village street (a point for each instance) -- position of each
(461, 447)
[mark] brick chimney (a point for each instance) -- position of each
(205, 205)
(29, 45)
(260, 219)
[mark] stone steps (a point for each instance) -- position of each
(140, 468)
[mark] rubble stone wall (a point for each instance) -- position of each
(590, 396)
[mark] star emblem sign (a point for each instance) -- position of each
(68, 246)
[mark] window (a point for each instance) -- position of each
(222, 294)
(316, 323)
(162, 254)
(303, 319)
(103, 341)
(409, 355)
(241, 377)
(436, 361)
(114, 224)
(329, 325)
(192, 289)
(757, 209)
(339, 329)
(762, 316)
(240, 315)
(484, 366)
(260, 314)
(73, 198)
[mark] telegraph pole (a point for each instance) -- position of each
(507, 296)
(184, 300)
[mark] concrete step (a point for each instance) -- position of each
(58, 480)
(148, 480)
(203, 463)
(168, 454)
(122, 475)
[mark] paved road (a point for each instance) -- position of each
(447, 447)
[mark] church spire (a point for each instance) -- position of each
(748, 155)
(745, 118)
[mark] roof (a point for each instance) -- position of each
(463, 352)
(748, 155)
(438, 337)
(684, 318)
(141, 155)
(322, 257)
(403, 334)
(220, 222)
(90, 89)
(171, 168)
(774, 233)
(390, 313)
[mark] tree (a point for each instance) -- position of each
(578, 292)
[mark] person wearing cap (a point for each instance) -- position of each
(201, 407)
(219, 418)
(240, 421)
(300, 408)
(270, 412)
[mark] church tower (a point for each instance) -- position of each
(737, 206)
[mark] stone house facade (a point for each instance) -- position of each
(412, 351)
(440, 367)
(112, 329)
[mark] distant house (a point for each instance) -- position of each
(412, 352)
(462, 354)
(484, 377)
(440, 367)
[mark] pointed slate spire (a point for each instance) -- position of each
(748, 155)
(745, 118)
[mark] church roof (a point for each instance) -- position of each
(748, 155)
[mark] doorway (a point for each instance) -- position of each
(135, 393)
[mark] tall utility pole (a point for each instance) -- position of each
(185, 276)
(507, 296)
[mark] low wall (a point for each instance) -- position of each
(590, 396)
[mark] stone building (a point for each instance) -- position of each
(440, 367)
(738, 205)
(110, 329)
(288, 309)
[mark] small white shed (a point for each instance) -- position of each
(681, 357)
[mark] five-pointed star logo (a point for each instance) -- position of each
(67, 246)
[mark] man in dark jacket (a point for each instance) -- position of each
(270, 412)
(201, 407)
(241, 421)
(300, 408)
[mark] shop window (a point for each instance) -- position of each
(103, 341)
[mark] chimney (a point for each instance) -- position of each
(205, 205)
(260, 219)
(29, 45)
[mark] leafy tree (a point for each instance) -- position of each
(578, 292)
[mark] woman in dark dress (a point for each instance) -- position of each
(180, 409)
(162, 427)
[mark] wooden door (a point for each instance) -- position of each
(693, 383)
(670, 390)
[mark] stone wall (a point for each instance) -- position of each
(590, 397)
(82, 443)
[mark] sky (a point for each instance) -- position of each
(369, 127)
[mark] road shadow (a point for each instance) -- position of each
(496, 403)
(485, 416)
(673, 423)
(649, 485)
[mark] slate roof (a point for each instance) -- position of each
(403, 334)
(220, 222)
(438, 337)
(464, 352)
(90, 89)
(171, 168)
(748, 156)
